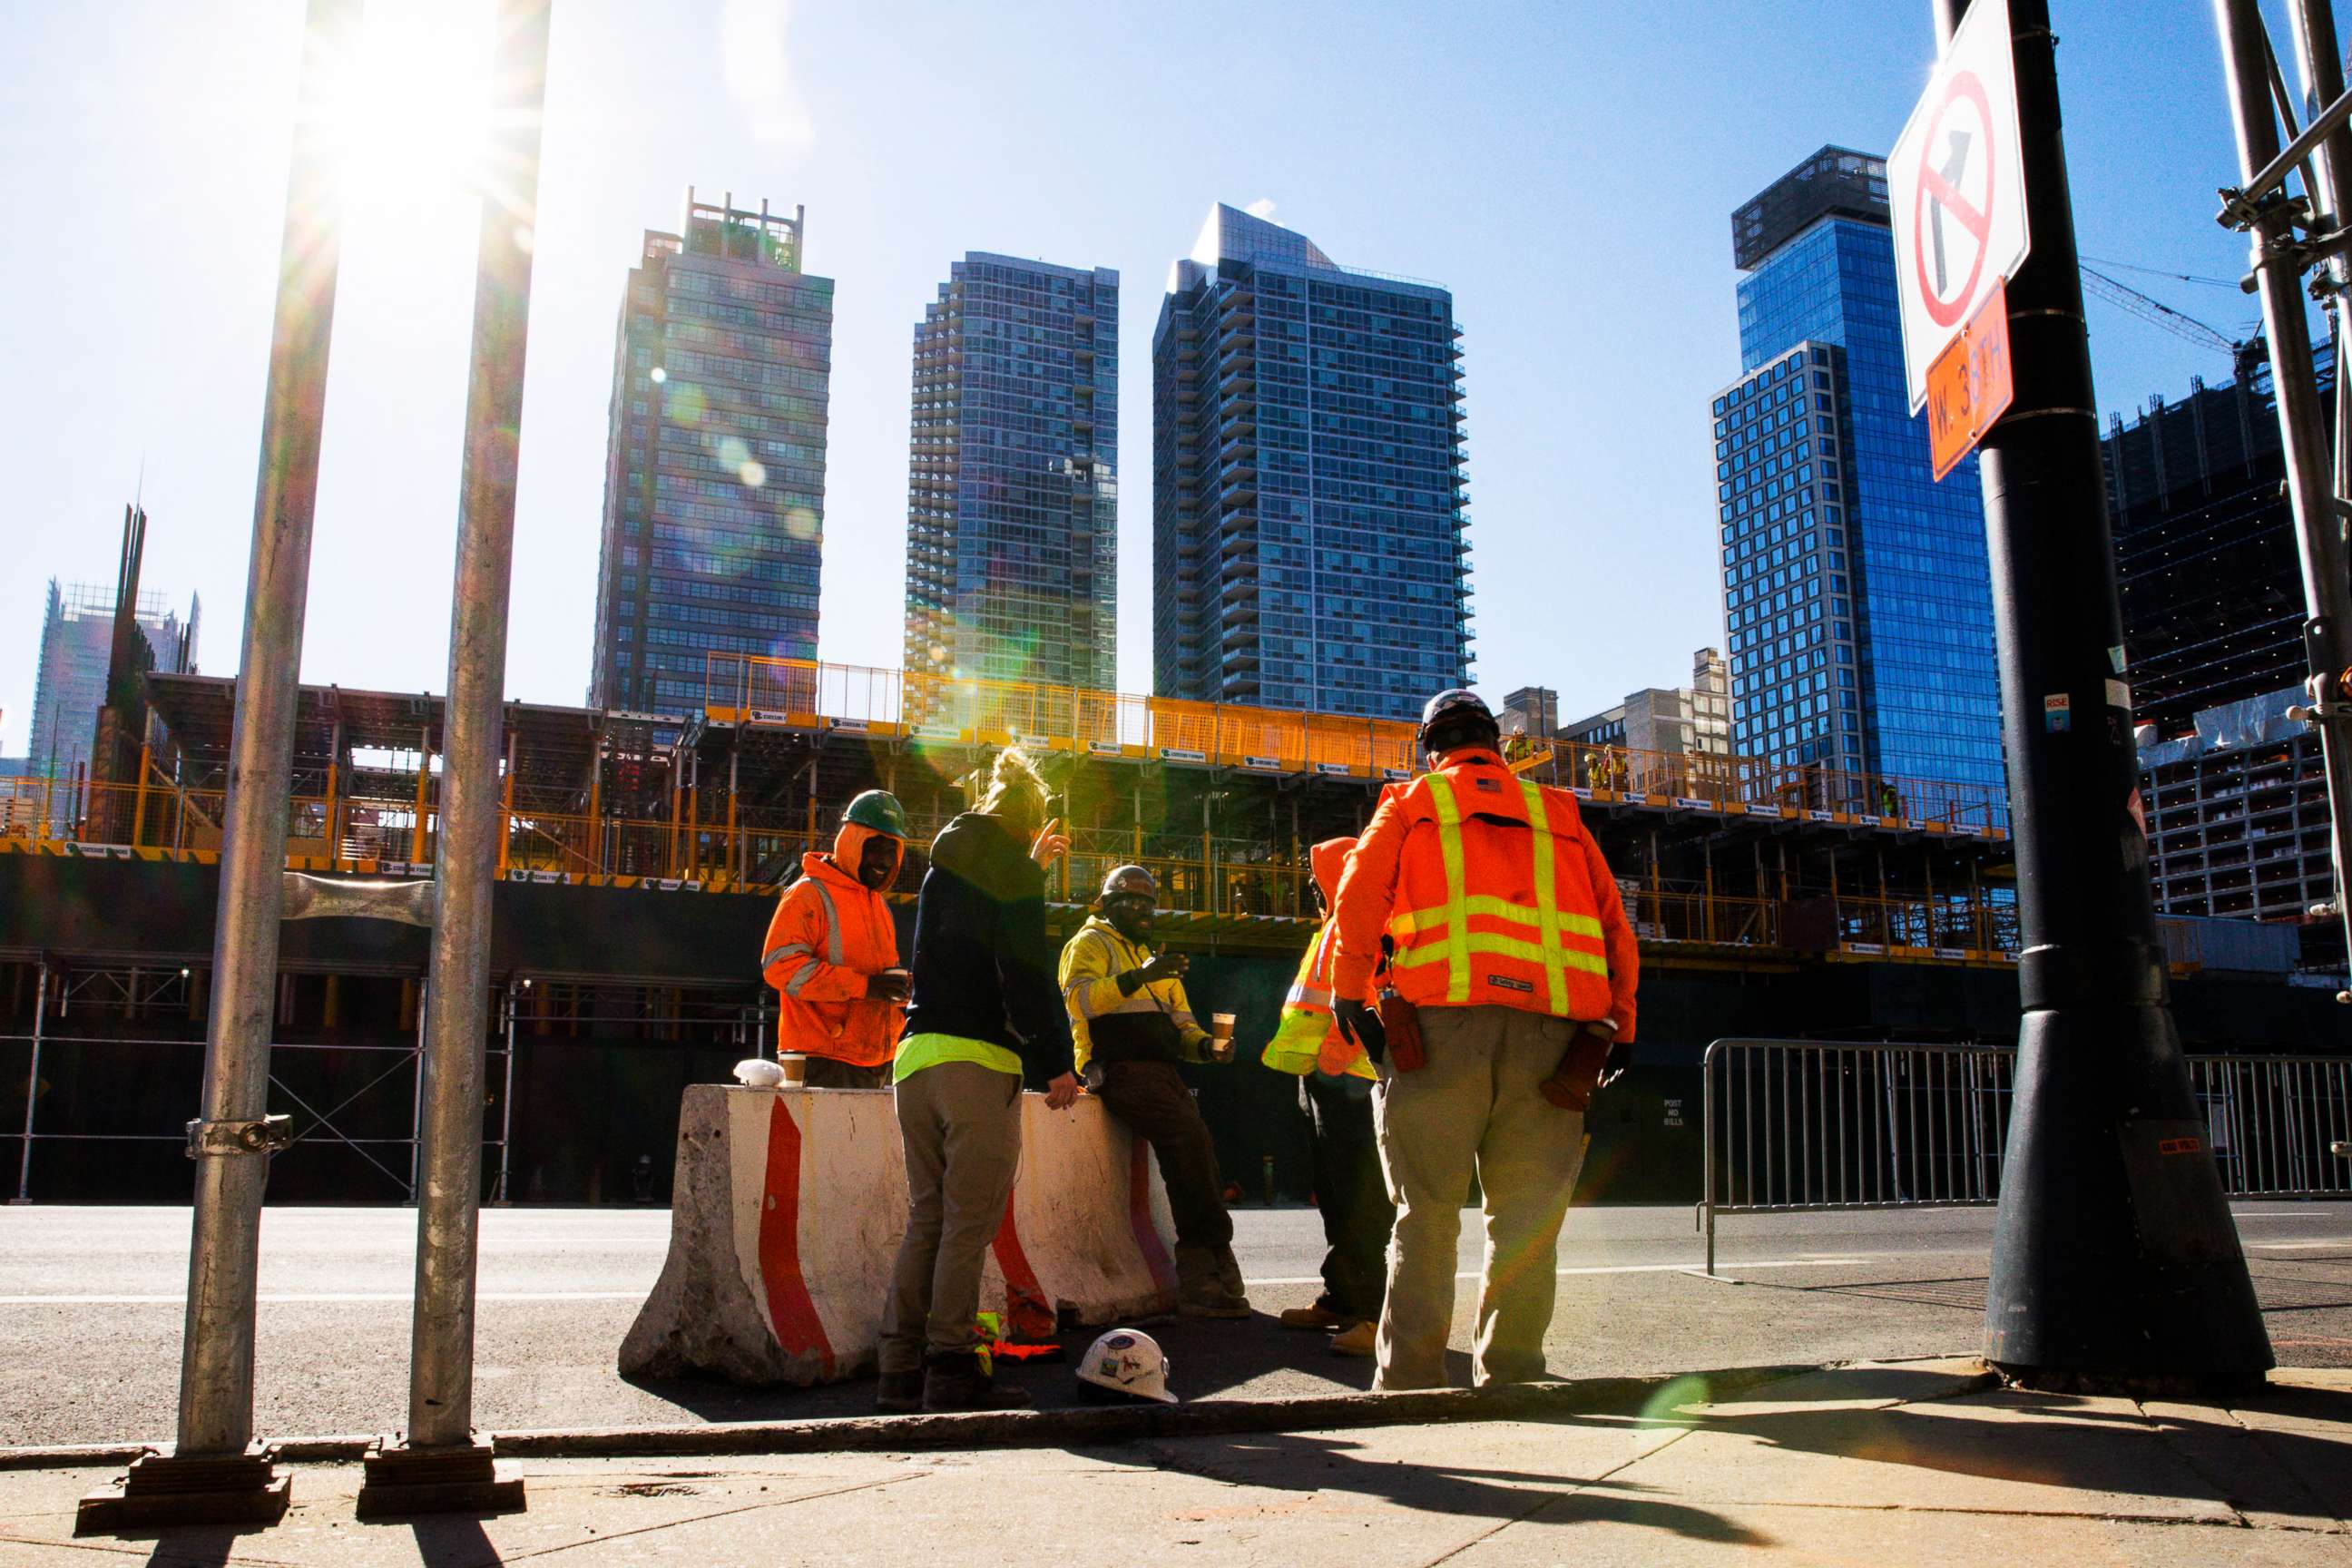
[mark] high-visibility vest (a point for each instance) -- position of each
(1481, 920)
(1308, 1037)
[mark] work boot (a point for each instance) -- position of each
(900, 1394)
(1318, 1316)
(1361, 1340)
(1210, 1301)
(954, 1381)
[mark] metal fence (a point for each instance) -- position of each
(1791, 1125)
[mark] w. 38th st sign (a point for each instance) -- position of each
(1956, 181)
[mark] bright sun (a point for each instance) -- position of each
(409, 109)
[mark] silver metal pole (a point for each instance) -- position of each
(506, 1104)
(448, 1209)
(33, 1084)
(216, 1413)
(2312, 479)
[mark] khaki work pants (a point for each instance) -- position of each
(1473, 1107)
(961, 1125)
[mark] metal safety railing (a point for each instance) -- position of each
(1791, 1125)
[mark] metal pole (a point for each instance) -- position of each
(2116, 1263)
(33, 1084)
(448, 1209)
(215, 1416)
(506, 1102)
(2319, 529)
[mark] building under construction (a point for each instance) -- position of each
(641, 860)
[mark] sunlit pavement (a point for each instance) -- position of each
(90, 1310)
(1914, 1463)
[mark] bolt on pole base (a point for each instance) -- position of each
(404, 1480)
(162, 1490)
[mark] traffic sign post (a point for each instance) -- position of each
(2115, 1264)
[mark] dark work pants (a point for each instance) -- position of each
(832, 1072)
(1351, 1193)
(1150, 1099)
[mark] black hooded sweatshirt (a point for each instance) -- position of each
(983, 967)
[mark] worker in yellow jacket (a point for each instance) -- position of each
(1131, 1023)
(1335, 1092)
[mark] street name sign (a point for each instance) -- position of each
(1969, 385)
(1955, 186)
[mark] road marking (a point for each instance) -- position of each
(2293, 1245)
(1643, 1268)
(298, 1298)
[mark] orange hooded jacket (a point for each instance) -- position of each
(830, 932)
(1308, 1037)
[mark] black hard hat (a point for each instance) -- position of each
(1451, 709)
(1128, 881)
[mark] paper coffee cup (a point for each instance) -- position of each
(795, 1067)
(1222, 1026)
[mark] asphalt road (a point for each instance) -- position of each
(91, 1305)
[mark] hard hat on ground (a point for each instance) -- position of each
(879, 810)
(1128, 1361)
(1128, 881)
(1454, 717)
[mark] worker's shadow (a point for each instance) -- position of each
(1328, 1462)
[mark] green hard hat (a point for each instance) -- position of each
(879, 810)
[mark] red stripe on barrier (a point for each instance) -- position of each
(1031, 1311)
(791, 1310)
(1139, 1216)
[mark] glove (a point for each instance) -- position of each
(1621, 1057)
(1360, 1025)
(1582, 1069)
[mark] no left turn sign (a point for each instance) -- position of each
(1956, 185)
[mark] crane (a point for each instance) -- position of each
(2124, 296)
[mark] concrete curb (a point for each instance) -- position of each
(1074, 1428)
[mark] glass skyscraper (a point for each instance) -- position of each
(1013, 476)
(714, 467)
(1309, 494)
(76, 648)
(1856, 597)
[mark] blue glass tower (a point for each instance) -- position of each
(1308, 480)
(1857, 596)
(1012, 486)
(714, 465)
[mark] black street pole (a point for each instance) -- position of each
(2116, 1263)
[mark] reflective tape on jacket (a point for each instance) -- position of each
(1309, 1039)
(1469, 925)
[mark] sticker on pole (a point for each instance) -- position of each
(1956, 187)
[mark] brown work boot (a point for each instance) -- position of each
(954, 1381)
(1363, 1340)
(1210, 1301)
(1318, 1316)
(899, 1394)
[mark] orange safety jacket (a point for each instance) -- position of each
(1492, 893)
(1308, 1038)
(830, 932)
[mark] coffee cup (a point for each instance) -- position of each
(1221, 1036)
(795, 1067)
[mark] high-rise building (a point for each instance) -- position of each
(1856, 600)
(77, 645)
(1309, 494)
(1676, 720)
(2205, 547)
(1013, 481)
(714, 465)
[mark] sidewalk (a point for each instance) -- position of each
(1917, 1462)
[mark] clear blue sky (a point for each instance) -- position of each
(1568, 170)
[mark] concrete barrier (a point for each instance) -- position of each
(787, 1211)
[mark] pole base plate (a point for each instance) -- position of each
(162, 1490)
(400, 1480)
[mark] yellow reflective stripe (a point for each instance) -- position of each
(1415, 921)
(1457, 902)
(1506, 947)
(1547, 900)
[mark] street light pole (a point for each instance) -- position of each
(2115, 1264)
(216, 1471)
(442, 1465)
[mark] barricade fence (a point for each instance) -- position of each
(1791, 1125)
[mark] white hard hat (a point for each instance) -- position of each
(1128, 1361)
(757, 1072)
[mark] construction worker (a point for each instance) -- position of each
(831, 952)
(1334, 1093)
(1131, 1023)
(1510, 1000)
